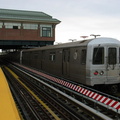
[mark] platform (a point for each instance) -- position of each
(8, 110)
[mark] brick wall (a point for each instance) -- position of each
(23, 34)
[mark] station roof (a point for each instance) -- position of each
(23, 15)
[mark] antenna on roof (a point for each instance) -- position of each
(84, 37)
(72, 40)
(95, 35)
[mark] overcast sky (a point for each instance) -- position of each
(78, 17)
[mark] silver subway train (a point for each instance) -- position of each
(94, 62)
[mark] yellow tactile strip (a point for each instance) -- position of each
(8, 110)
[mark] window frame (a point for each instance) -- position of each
(96, 56)
(46, 33)
(30, 26)
(112, 58)
(52, 56)
(9, 25)
(1, 24)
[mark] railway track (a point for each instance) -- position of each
(73, 104)
(32, 108)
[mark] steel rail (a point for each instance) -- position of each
(100, 107)
(66, 114)
(38, 73)
(33, 107)
(53, 101)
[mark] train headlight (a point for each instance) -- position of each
(101, 73)
(96, 73)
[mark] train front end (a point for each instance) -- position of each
(103, 63)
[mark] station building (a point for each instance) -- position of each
(25, 29)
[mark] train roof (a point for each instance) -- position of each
(102, 40)
(63, 45)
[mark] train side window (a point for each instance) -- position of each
(112, 54)
(52, 56)
(98, 55)
(83, 57)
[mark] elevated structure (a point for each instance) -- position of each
(22, 29)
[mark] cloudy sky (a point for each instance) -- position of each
(78, 17)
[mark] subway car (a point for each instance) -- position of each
(94, 62)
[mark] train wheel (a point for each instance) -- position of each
(113, 89)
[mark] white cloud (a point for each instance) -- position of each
(73, 28)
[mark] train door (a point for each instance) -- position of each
(112, 67)
(112, 64)
(66, 60)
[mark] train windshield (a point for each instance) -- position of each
(112, 54)
(98, 55)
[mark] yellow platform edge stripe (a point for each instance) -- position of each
(41, 102)
(8, 110)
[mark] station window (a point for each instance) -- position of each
(46, 30)
(52, 56)
(15, 27)
(112, 54)
(83, 56)
(12, 25)
(30, 26)
(1, 24)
